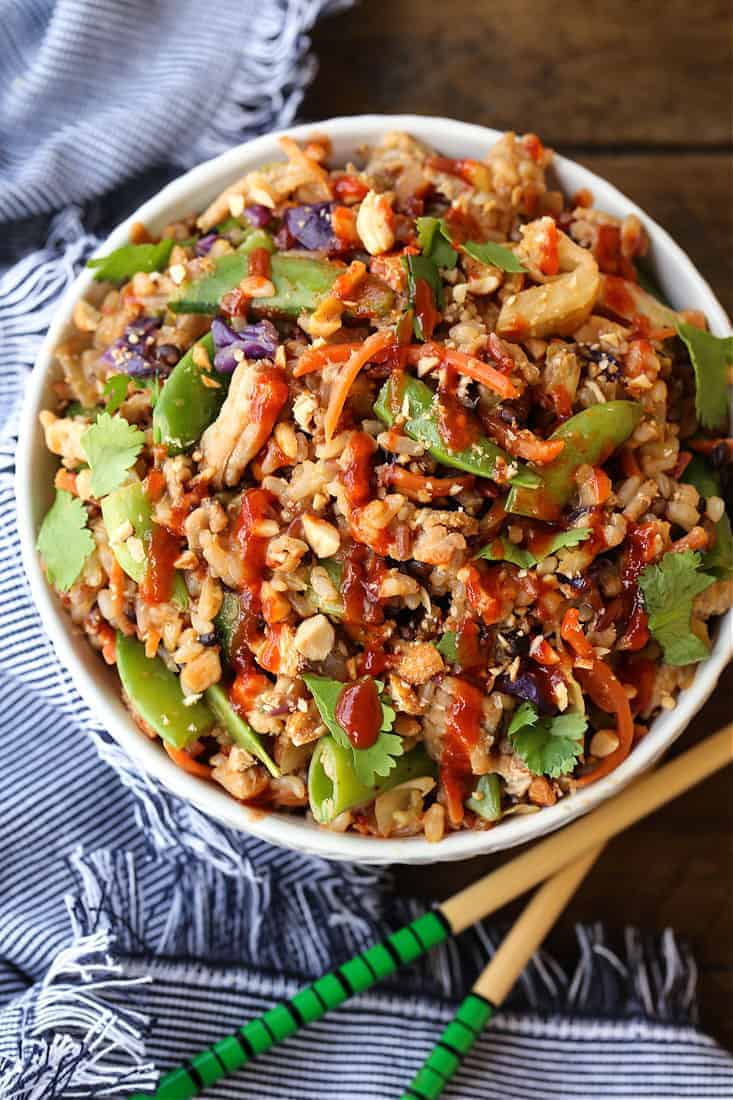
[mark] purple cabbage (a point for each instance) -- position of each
(527, 686)
(203, 244)
(258, 215)
(310, 225)
(257, 341)
(135, 351)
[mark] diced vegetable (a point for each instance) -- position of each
(257, 341)
(502, 549)
(590, 437)
(156, 694)
(482, 458)
(186, 405)
(548, 746)
(331, 607)
(486, 799)
(240, 731)
(496, 254)
(334, 787)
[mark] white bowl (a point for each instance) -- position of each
(99, 686)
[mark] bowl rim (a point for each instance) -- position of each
(278, 828)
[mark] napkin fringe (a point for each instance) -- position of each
(268, 82)
(79, 1032)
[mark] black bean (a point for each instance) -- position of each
(208, 639)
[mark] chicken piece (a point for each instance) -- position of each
(256, 396)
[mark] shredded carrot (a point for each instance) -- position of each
(696, 539)
(64, 479)
(474, 368)
(378, 341)
(423, 488)
(608, 693)
(296, 156)
(601, 485)
(572, 633)
(185, 761)
(343, 223)
(525, 444)
(117, 587)
(314, 359)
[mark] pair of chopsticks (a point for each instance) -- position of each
(567, 856)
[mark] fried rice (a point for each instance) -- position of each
(390, 488)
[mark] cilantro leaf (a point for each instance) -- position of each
(115, 391)
(711, 358)
(434, 239)
(548, 746)
(379, 758)
(503, 550)
(496, 254)
(125, 262)
(111, 446)
(64, 540)
(669, 590)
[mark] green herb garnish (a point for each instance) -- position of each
(711, 358)
(111, 446)
(64, 540)
(669, 590)
(496, 254)
(548, 746)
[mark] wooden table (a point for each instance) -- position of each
(640, 94)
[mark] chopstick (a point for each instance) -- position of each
(454, 915)
(493, 985)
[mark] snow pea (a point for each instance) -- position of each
(590, 437)
(128, 504)
(186, 406)
(240, 731)
(155, 693)
(226, 622)
(481, 458)
(333, 786)
(300, 283)
(131, 503)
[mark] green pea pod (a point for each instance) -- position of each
(128, 504)
(422, 425)
(590, 437)
(186, 406)
(131, 503)
(334, 787)
(300, 283)
(240, 732)
(486, 799)
(156, 694)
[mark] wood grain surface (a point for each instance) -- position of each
(641, 94)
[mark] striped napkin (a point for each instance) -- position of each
(134, 930)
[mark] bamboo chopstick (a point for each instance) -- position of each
(494, 983)
(464, 908)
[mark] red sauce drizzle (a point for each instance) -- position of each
(361, 577)
(458, 428)
(468, 645)
(639, 553)
(463, 727)
(359, 711)
(181, 511)
(425, 308)
(255, 505)
(259, 263)
(162, 550)
(357, 474)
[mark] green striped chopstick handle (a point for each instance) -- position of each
(444, 1059)
(309, 1004)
